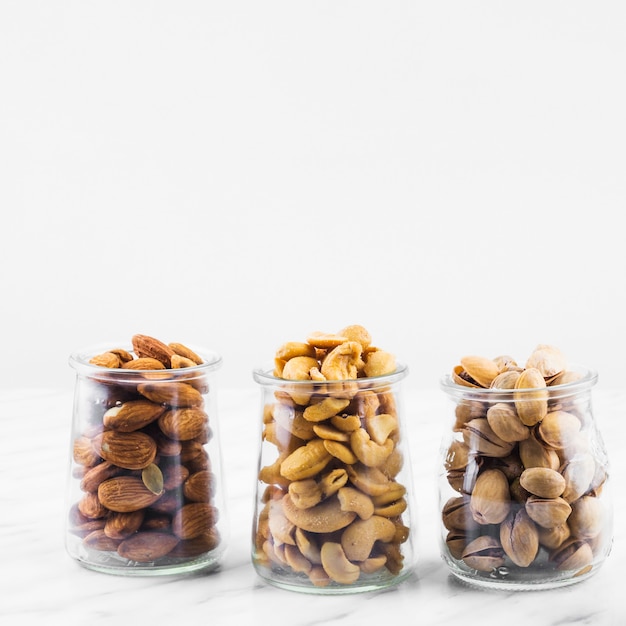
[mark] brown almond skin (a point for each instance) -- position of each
(125, 493)
(145, 547)
(132, 415)
(134, 450)
(184, 423)
(176, 394)
(146, 346)
(193, 519)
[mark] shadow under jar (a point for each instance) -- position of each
(523, 486)
(332, 510)
(145, 493)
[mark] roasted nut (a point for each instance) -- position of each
(359, 537)
(490, 501)
(548, 512)
(480, 439)
(484, 554)
(337, 566)
(134, 450)
(543, 482)
(531, 406)
(519, 538)
(325, 517)
(505, 422)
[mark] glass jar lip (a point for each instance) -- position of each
(588, 378)
(79, 361)
(264, 376)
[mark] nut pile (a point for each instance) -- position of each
(145, 476)
(332, 509)
(524, 468)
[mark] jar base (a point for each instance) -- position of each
(302, 584)
(502, 580)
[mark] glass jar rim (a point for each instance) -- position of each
(79, 361)
(588, 378)
(264, 376)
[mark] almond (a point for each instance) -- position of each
(146, 346)
(171, 393)
(125, 493)
(134, 450)
(145, 547)
(132, 415)
(182, 350)
(184, 423)
(198, 487)
(193, 519)
(99, 540)
(143, 363)
(122, 525)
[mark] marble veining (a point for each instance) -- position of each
(40, 582)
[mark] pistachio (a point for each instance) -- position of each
(480, 369)
(456, 514)
(559, 429)
(552, 538)
(532, 406)
(543, 482)
(549, 360)
(548, 512)
(534, 454)
(505, 423)
(480, 439)
(484, 554)
(578, 473)
(586, 518)
(519, 538)
(574, 554)
(490, 501)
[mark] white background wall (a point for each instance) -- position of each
(236, 174)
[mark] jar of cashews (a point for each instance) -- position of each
(333, 506)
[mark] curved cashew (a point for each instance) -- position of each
(296, 560)
(325, 517)
(299, 368)
(327, 431)
(391, 510)
(367, 451)
(358, 539)
(306, 461)
(352, 499)
(337, 566)
(394, 492)
(305, 493)
(288, 418)
(333, 481)
(340, 451)
(292, 349)
(367, 403)
(342, 362)
(308, 547)
(328, 407)
(381, 426)
(270, 474)
(373, 564)
(394, 463)
(346, 423)
(368, 479)
(358, 333)
(379, 363)
(280, 527)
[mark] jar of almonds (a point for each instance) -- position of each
(524, 476)
(332, 509)
(145, 493)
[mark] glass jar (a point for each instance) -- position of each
(523, 485)
(333, 497)
(145, 493)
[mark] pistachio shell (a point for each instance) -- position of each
(484, 554)
(480, 369)
(543, 482)
(531, 406)
(505, 422)
(490, 501)
(519, 538)
(559, 429)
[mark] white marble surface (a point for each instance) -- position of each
(41, 583)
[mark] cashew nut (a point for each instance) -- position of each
(340, 451)
(358, 333)
(381, 426)
(308, 547)
(296, 560)
(346, 423)
(292, 421)
(373, 564)
(280, 527)
(367, 451)
(379, 363)
(324, 409)
(368, 479)
(306, 461)
(333, 481)
(358, 539)
(352, 499)
(325, 517)
(327, 431)
(367, 403)
(337, 566)
(292, 349)
(305, 493)
(341, 363)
